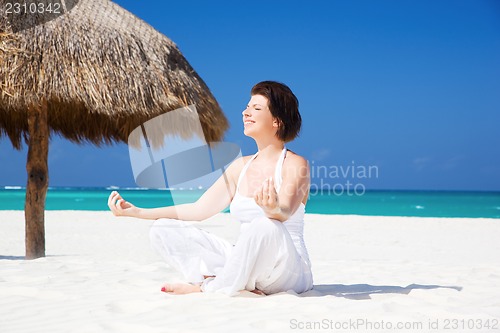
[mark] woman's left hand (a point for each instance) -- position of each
(120, 207)
(267, 197)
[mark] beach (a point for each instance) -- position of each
(371, 273)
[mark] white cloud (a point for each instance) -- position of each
(320, 154)
(420, 163)
(453, 162)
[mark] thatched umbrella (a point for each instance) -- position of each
(92, 74)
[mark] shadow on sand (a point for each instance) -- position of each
(364, 291)
(2, 257)
(11, 257)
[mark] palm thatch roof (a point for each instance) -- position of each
(100, 69)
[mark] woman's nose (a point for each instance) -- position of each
(245, 112)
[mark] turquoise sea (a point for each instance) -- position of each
(386, 203)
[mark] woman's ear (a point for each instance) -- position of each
(276, 123)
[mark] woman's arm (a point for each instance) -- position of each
(214, 200)
(294, 188)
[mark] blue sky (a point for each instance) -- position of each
(411, 87)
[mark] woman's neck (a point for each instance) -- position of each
(270, 149)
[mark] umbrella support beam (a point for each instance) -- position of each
(38, 181)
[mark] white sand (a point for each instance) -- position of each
(100, 275)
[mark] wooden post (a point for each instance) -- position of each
(38, 181)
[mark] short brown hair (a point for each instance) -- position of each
(284, 106)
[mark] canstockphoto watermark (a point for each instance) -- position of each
(354, 324)
(364, 324)
(345, 179)
(26, 14)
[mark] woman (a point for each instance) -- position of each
(267, 193)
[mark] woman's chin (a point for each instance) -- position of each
(247, 132)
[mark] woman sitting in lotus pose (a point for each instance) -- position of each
(266, 192)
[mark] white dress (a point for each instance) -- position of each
(269, 255)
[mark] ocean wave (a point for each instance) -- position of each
(117, 188)
(14, 188)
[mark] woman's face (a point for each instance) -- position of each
(257, 118)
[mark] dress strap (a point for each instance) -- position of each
(277, 173)
(244, 170)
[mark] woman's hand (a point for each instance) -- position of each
(267, 198)
(120, 207)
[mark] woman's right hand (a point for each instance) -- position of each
(120, 207)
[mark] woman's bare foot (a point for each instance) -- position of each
(258, 292)
(180, 288)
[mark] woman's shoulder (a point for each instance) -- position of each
(242, 160)
(295, 159)
(237, 165)
(294, 163)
